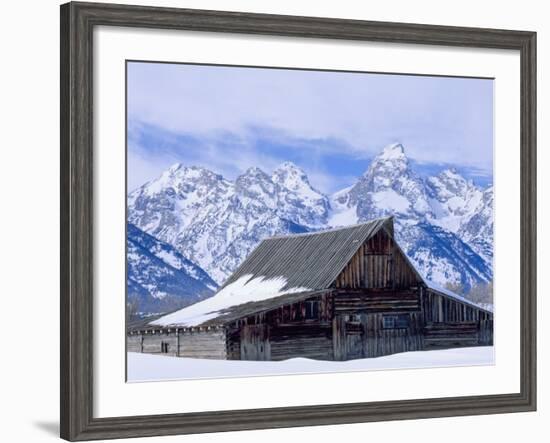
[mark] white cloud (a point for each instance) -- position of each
(439, 120)
(227, 159)
(444, 119)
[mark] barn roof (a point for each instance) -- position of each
(434, 287)
(299, 264)
(310, 260)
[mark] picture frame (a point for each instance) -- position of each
(78, 21)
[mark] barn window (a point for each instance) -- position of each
(312, 310)
(402, 321)
(395, 321)
(388, 321)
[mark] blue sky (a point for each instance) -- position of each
(329, 123)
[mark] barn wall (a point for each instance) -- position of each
(296, 312)
(287, 331)
(486, 332)
(355, 301)
(381, 341)
(450, 323)
(307, 340)
(347, 324)
(377, 264)
(134, 343)
(233, 343)
(203, 344)
(404, 274)
(280, 342)
(254, 342)
(192, 344)
(449, 335)
(438, 308)
(364, 335)
(152, 343)
(358, 330)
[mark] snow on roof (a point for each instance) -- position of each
(435, 287)
(244, 290)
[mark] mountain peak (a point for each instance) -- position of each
(391, 163)
(450, 172)
(176, 177)
(255, 172)
(180, 169)
(393, 151)
(175, 167)
(255, 183)
(287, 173)
(288, 166)
(452, 178)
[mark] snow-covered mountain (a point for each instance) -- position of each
(159, 277)
(463, 208)
(444, 222)
(298, 201)
(477, 229)
(389, 186)
(216, 223)
(441, 256)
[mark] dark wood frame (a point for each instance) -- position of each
(77, 23)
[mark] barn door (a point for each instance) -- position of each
(355, 335)
(349, 337)
(255, 343)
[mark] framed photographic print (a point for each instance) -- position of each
(337, 214)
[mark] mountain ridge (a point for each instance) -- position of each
(159, 278)
(216, 222)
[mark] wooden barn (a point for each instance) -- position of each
(334, 295)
